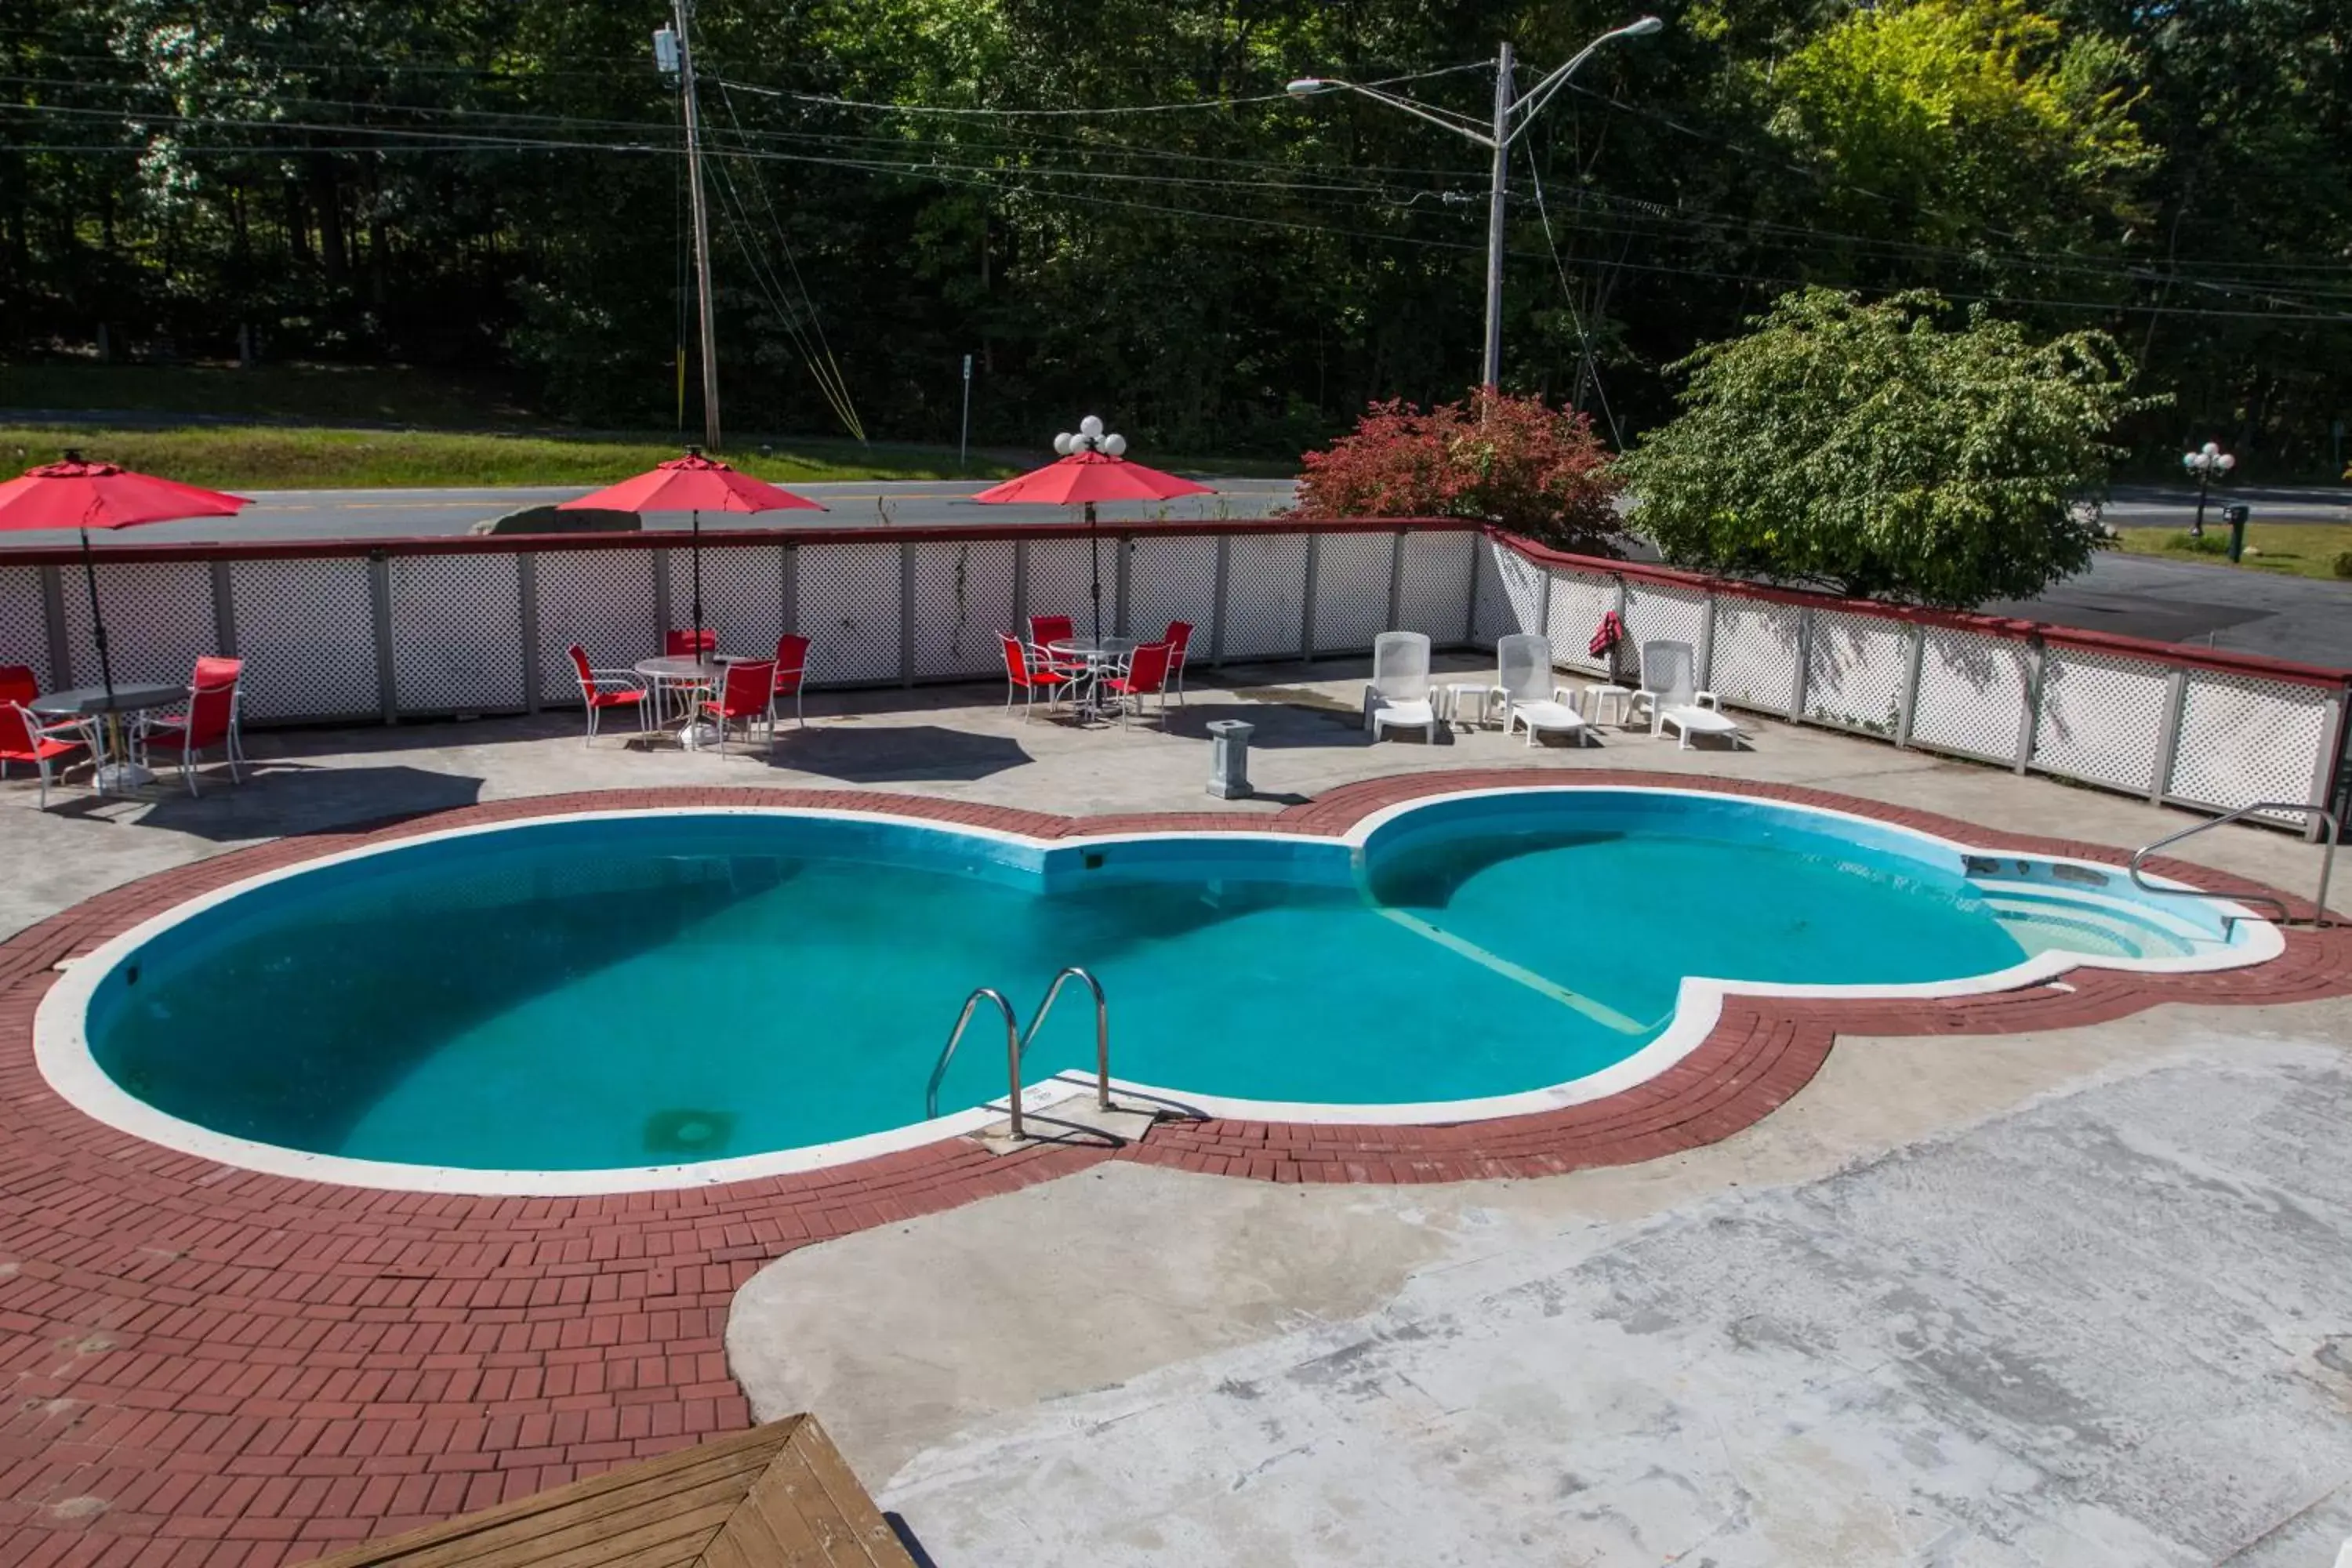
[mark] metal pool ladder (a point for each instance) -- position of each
(2229, 922)
(1016, 1041)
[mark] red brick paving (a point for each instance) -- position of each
(210, 1368)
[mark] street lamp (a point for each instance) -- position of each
(1512, 116)
(2205, 463)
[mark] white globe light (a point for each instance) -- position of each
(1064, 443)
(1091, 426)
(2225, 462)
(2193, 461)
(2210, 449)
(1115, 444)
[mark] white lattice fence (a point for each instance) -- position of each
(1510, 594)
(25, 624)
(456, 641)
(1754, 653)
(1062, 577)
(602, 600)
(1972, 693)
(1169, 580)
(849, 611)
(1351, 590)
(1579, 600)
(964, 600)
(306, 630)
(742, 595)
(1659, 612)
(1854, 670)
(1434, 585)
(159, 620)
(2101, 718)
(2243, 738)
(1265, 595)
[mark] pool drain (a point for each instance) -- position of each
(695, 1133)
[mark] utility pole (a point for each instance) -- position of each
(684, 11)
(1490, 373)
(1514, 112)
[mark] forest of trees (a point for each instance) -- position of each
(1116, 208)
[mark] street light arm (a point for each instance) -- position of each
(1435, 116)
(1531, 103)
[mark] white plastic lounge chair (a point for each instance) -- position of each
(1529, 696)
(1398, 696)
(1668, 692)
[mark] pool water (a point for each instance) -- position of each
(641, 990)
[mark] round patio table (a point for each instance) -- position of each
(116, 768)
(1101, 657)
(684, 674)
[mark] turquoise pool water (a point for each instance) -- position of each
(594, 993)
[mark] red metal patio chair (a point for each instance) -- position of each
(678, 644)
(18, 683)
(208, 720)
(1179, 639)
(1144, 674)
(747, 693)
(792, 666)
(1028, 672)
(23, 740)
(607, 688)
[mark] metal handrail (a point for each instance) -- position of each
(2229, 922)
(1012, 1053)
(1102, 1027)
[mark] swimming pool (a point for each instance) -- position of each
(614, 1000)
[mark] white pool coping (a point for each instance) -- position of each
(62, 1052)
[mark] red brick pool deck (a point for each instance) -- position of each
(209, 1367)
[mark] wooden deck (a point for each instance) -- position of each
(775, 1497)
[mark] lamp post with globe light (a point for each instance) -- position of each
(2206, 462)
(1090, 438)
(1513, 114)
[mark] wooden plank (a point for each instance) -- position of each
(548, 1540)
(808, 1511)
(849, 1496)
(737, 1459)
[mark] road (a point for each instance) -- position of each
(2285, 617)
(850, 503)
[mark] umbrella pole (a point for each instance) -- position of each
(697, 581)
(97, 623)
(1094, 556)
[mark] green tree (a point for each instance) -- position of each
(1869, 449)
(1941, 120)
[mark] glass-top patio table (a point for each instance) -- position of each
(1101, 657)
(685, 677)
(116, 768)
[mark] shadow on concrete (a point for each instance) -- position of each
(1285, 718)
(895, 754)
(906, 1534)
(279, 799)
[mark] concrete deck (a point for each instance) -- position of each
(1968, 1299)
(957, 743)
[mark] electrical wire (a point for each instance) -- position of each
(1568, 294)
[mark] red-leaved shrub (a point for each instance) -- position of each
(1515, 461)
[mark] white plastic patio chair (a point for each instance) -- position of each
(1398, 695)
(1528, 693)
(1669, 693)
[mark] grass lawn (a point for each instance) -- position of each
(2296, 549)
(289, 457)
(307, 426)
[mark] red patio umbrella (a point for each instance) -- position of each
(79, 495)
(693, 484)
(1094, 470)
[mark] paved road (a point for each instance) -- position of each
(857, 503)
